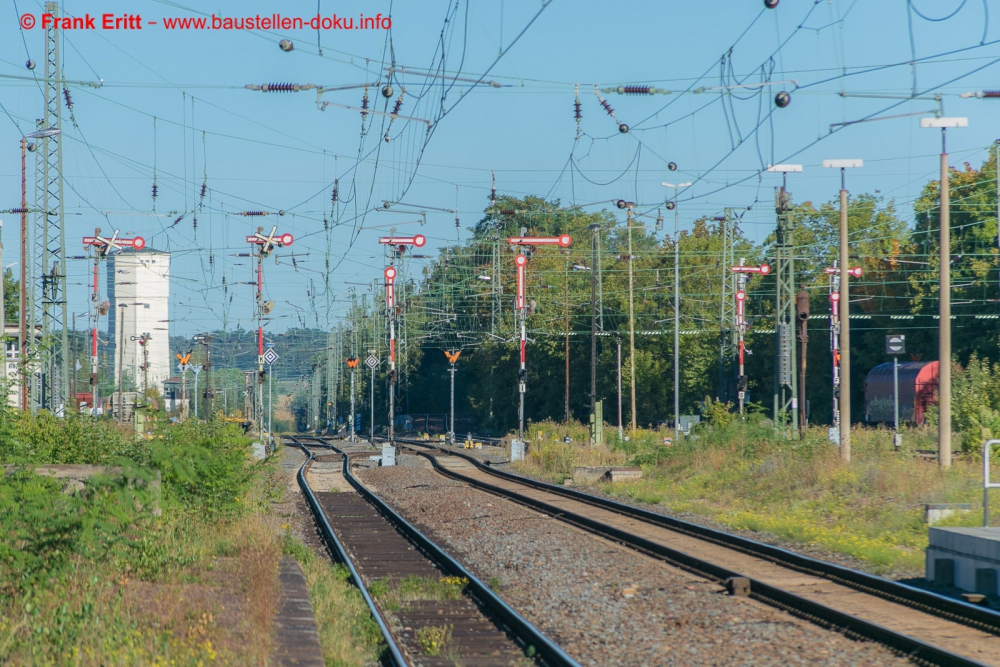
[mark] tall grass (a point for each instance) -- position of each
(745, 476)
(97, 577)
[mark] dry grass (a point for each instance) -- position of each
(744, 476)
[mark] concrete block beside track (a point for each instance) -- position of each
(966, 558)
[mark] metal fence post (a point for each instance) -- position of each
(987, 485)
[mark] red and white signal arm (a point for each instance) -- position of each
(390, 288)
(520, 261)
(835, 296)
(763, 269)
(563, 240)
(854, 272)
(286, 239)
(418, 240)
(138, 243)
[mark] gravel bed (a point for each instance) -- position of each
(911, 576)
(604, 604)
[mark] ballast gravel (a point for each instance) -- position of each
(605, 604)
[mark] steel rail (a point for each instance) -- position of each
(523, 630)
(939, 605)
(336, 546)
(815, 612)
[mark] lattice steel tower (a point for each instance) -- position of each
(785, 384)
(728, 336)
(50, 389)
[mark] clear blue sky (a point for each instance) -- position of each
(278, 151)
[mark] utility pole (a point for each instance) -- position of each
(631, 310)
(845, 310)
(121, 365)
(521, 261)
(265, 244)
(677, 309)
(205, 339)
(944, 295)
(142, 340)
(595, 228)
(786, 401)
(618, 340)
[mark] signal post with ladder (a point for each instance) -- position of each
(521, 262)
(398, 245)
(265, 244)
(835, 331)
(102, 247)
(742, 271)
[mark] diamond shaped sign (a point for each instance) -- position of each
(270, 356)
(372, 361)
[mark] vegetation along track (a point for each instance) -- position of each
(430, 610)
(930, 628)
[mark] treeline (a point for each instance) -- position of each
(464, 300)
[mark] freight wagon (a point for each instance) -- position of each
(918, 383)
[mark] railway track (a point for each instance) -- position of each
(416, 592)
(929, 628)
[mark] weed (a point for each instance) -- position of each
(433, 639)
(495, 584)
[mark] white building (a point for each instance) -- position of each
(139, 293)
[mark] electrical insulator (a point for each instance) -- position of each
(672, 166)
(386, 91)
(194, 223)
(670, 205)
(30, 64)
(280, 88)
(155, 189)
(782, 100)
(286, 45)
(623, 128)
(659, 220)
(399, 105)
(508, 211)
(204, 187)
(991, 93)
(179, 218)
(252, 214)
(69, 100)
(336, 191)
(634, 90)
(18, 210)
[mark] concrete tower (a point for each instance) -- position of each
(139, 280)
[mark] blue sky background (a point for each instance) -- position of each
(276, 152)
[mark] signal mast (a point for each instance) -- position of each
(521, 261)
(265, 244)
(742, 272)
(397, 245)
(102, 247)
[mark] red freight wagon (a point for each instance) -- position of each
(918, 383)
